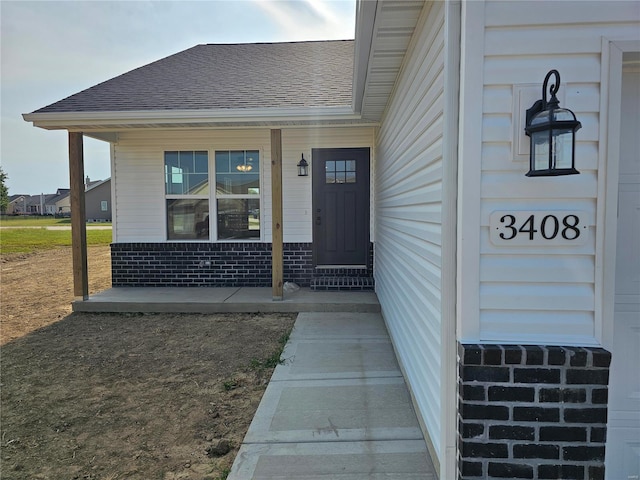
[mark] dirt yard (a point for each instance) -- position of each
(102, 396)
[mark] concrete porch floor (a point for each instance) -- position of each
(224, 300)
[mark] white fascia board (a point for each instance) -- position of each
(74, 120)
(365, 26)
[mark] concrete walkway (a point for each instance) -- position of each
(337, 408)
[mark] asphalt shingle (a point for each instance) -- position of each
(228, 76)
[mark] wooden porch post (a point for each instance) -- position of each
(78, 221)
(276, 215)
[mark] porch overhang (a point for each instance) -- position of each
(223, 118)
(384, 29)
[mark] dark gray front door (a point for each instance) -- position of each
(340, 206)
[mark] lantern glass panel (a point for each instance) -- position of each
(563, 115)
(562, 148)
(541, 118)
(540, 142)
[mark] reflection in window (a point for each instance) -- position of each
(187, 219)
(238, 194)
(340, 171)
(238, 218)
(238, 172)
(186, 178)
(186, 173)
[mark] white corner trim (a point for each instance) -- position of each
(448, 361)
(607, 209)
(469, 170)
(114, 202)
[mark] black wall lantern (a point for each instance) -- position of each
(552, 132)
(303, 167)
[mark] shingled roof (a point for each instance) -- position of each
(228, 76)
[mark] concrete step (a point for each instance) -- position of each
(342, 283)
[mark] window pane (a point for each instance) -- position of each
(198, 184)
(186, 162)
(187, 219)
(340, 166)
(238, 162)
(171, 159)
(222, 162)
(351, 165)
(238, 184)
(351, 177)
(202, 162)
(171, 168)
(238, 172)
(330, 166)
(181, 176)
(253, 159)
(238, 218)
(331, 177)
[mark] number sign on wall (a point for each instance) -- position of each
(538, 228)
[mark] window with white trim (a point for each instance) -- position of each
(186, 178)
(238, 194)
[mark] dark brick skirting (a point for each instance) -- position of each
(213, 265)
(535, 412)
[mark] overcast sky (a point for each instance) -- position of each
(53, 49)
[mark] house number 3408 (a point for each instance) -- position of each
(538, 228)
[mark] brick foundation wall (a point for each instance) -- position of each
(212, 264)
(535, 412)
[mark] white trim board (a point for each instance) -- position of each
(607, 212)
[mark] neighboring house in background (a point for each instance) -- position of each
(43, 204)
(17, 204)
(414, 134)
(63, 202)
(97, 200)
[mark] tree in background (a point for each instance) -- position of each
(4, 192)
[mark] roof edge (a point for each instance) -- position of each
(73, 120)
(365, 24)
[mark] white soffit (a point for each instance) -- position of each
(394, 23)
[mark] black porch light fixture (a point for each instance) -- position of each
(303, 167)
(552, 133)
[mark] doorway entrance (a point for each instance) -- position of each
(340, 207)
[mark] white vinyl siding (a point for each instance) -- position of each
(539, 294)
(408, 229)
(139, 174)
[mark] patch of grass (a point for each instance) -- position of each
(225, 473)
(29, 240)
(230, 385)
(35, 221)
(32, 221)
(273, 360)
